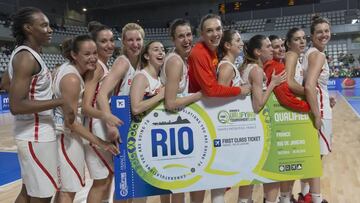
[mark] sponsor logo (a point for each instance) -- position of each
(235, 115)
(290, 167)
(120, 103)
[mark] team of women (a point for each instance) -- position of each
(63, 121)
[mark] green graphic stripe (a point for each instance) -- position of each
(220, 172)
(265, 152)
(174, 166)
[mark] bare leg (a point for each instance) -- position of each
(99, 190)
(271, 191)
(178, 198)
(23, 197)
(197, 197)
(165, 198)
(66, 197)
(245, 193)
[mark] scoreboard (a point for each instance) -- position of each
(246, 5)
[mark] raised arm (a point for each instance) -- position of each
(70, 90)
(137, 90)
(290, 67)
(174, 72)
(116, 74)
(259, 98)
(316, 62)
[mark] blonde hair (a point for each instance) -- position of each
(130, 27)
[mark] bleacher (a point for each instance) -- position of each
(287, 22)
(256, 25)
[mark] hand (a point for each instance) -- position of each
(332, 102)
(68, 112)
(113, 132)
(111, 120)
(317, 122)
(278, 79)
(110, 147)
(245, 89)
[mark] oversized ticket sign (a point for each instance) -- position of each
(213, 143)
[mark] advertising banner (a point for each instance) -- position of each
(213, 143)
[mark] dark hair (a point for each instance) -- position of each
(254, 43)
(316, 19)
(144, 61)
(273, 37)
(20, 18)
(94, 27)
(207, 17)
(228, 36)
(290, 35)
(73, 44)
(177, 22)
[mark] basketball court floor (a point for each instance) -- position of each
(341, 174)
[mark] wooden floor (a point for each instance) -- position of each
(340, 182)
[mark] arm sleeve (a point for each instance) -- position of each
(283, 93)
(207, 80)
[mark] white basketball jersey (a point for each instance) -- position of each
(37, 126)
(184, 82)
(299, 73)
(154, 84)
(237, 80)
(323, 93)
(62, 71)
(123, 88)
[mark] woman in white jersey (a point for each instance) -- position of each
(68, 83)
(295, 44)
(98, 161)
(146, 90)
(31, 103)
(119, 79)
(174, 76)
(228, 74)
(258, 50)
(316, 76)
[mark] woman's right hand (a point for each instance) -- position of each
(245, 89)
(279, 78)
(110, 147)
(111, 120)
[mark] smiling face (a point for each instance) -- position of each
(86, 57)
(155, 54)
(236, 44)
(211, 32)
(321, 35)
(105, 43)
(266, 51)
(183, 40)
(297, 42)
(133, 42)
(39, 29)
(278, 48)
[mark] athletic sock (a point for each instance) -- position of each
(316, 198)
(244, 201)
(217, 195)
(285, 197)
(305, 187)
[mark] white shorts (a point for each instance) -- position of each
(71, 163)
(325, 136)
(39, 171)
(99, 162)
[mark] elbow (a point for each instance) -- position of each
(257, 108)
(15, 109)
(309, 87)
(136, 110)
